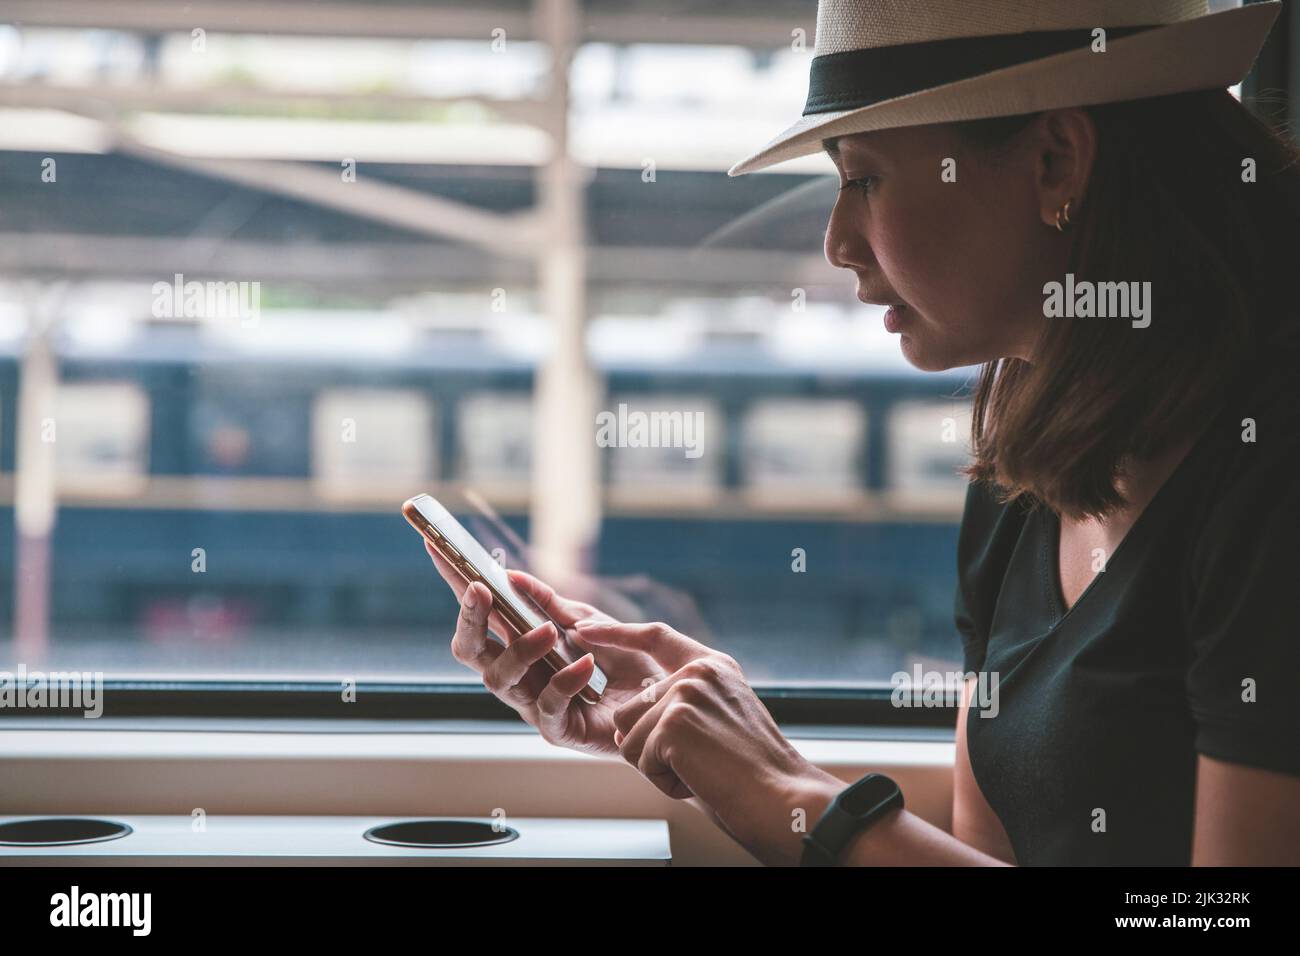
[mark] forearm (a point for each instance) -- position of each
(707, 810)
(902, 838)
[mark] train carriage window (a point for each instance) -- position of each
(101, 437)
(494, 441)
(928, 441)
(662, 447)
(247, 427)
(372, 443)
(803, 450)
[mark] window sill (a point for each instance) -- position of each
(303, 767)
(71, 738)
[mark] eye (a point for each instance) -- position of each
(863, 184)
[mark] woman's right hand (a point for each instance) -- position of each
(516, 673)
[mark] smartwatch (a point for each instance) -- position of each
(852, 811)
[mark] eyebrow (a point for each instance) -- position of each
(832, 148)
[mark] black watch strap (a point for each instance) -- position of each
(852, 811)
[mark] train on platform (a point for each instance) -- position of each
(814, 538)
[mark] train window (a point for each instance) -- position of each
(282, 423)
(928, 441)
(494, 432)
(793, 447)
(247, 425)
(101, 437)
(662, 447)
(369, 442)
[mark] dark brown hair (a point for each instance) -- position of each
(1166, 203)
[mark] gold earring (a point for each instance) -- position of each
(1063, 215)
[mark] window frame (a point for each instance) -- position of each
(1277, 71)
(396, 702)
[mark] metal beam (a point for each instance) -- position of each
(564, 516)
(401, 266)
(756, 25)
(510, 234)
(288, 17)
(386, 266)
(131, 97)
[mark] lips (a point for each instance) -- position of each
(868, 299)
(895, 311)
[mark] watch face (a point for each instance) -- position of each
(869, 792)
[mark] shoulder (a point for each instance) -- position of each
(1247, 484)
(989, 531)
(1240, 607)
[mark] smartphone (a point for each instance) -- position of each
(459, 549)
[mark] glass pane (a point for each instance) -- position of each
(371, 440)
(495, 439)
(804, 446)
(660, 444)
(100, 432)
(306, 277)
(929, 441)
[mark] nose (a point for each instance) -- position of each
(843, 248)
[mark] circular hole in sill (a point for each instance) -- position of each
(440, 833)
(60, 831)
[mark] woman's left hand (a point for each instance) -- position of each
(702, 731)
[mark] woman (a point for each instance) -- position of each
(1090, 214)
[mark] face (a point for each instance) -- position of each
(966, 259)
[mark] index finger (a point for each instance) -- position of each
(670, 649)
(458, 585)
(564, 610)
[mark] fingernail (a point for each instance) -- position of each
(583, 624)
(470, 602)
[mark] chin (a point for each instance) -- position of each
(931, 350)
(919, 357)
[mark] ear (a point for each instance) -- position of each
(1065, 143)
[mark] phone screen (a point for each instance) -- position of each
(496, 576)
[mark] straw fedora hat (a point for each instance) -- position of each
(879, 64)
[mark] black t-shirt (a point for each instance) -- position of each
(1187, 643)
